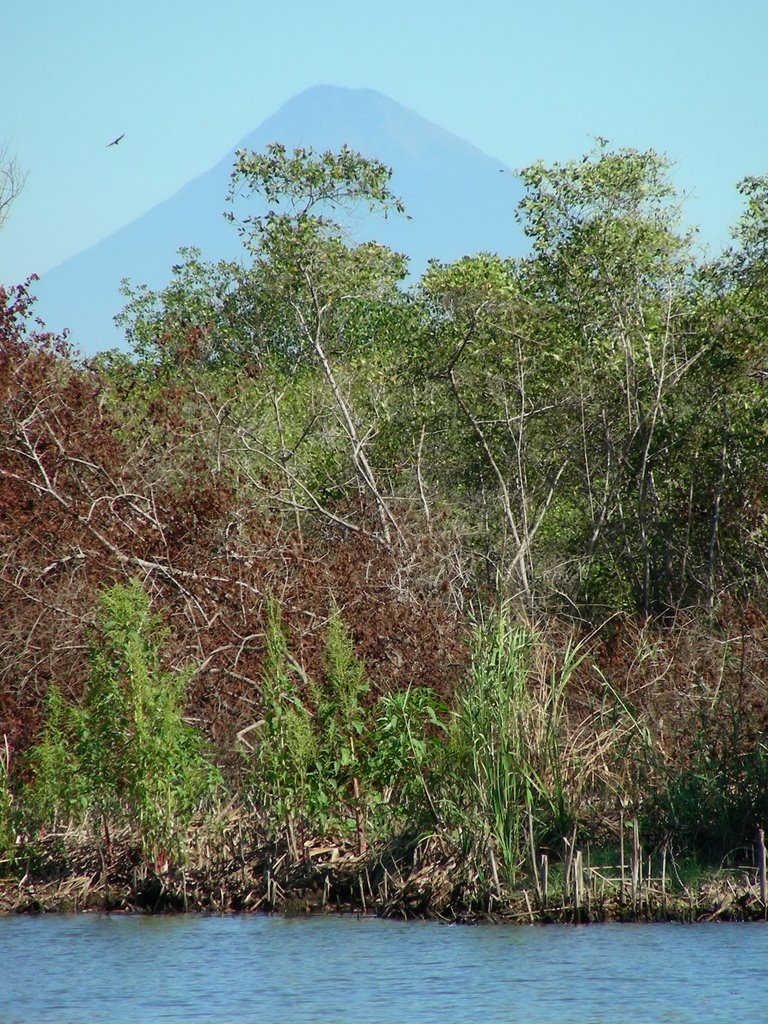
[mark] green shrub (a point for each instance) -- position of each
(282, 766)
(60, 790)
(713, 807)
(406, 748)
(124, 755)
(343, 724)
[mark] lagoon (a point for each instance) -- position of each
(194, 969)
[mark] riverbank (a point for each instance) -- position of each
(403, 880)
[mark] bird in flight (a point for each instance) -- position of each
(114, 142)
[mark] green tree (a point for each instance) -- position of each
(284, 363)
(336, 294)
(609, 277)
(196, 322)
(489, 413)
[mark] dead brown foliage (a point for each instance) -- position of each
(82, 508)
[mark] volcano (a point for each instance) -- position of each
(459, 201)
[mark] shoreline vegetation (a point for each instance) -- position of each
(404, 881)
(436, 600)
(500, 808)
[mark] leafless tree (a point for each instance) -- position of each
(11, 182)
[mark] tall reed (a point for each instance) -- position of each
(508, 739)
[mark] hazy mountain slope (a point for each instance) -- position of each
(458, 200)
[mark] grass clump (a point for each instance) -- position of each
(517, 767)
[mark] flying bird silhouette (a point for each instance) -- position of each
(114, 142)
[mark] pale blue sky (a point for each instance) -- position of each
(186, 80)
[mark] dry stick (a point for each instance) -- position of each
(311, 498)
(241, 852)
(636, 866)
(359, 820)
(578, 883)
(528, 904)
(294, 851)
(419, 480)
(571, 843)
(623, 862)
(493, 869)
(533, 854)
(324, 896)
(761, 867)
(506, 502)
(544, 880)
(359, 458)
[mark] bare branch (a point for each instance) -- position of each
(11, 183)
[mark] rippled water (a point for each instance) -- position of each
(222, 970)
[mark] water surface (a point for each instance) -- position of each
(90, 969)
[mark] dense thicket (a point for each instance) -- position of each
(302, 443)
